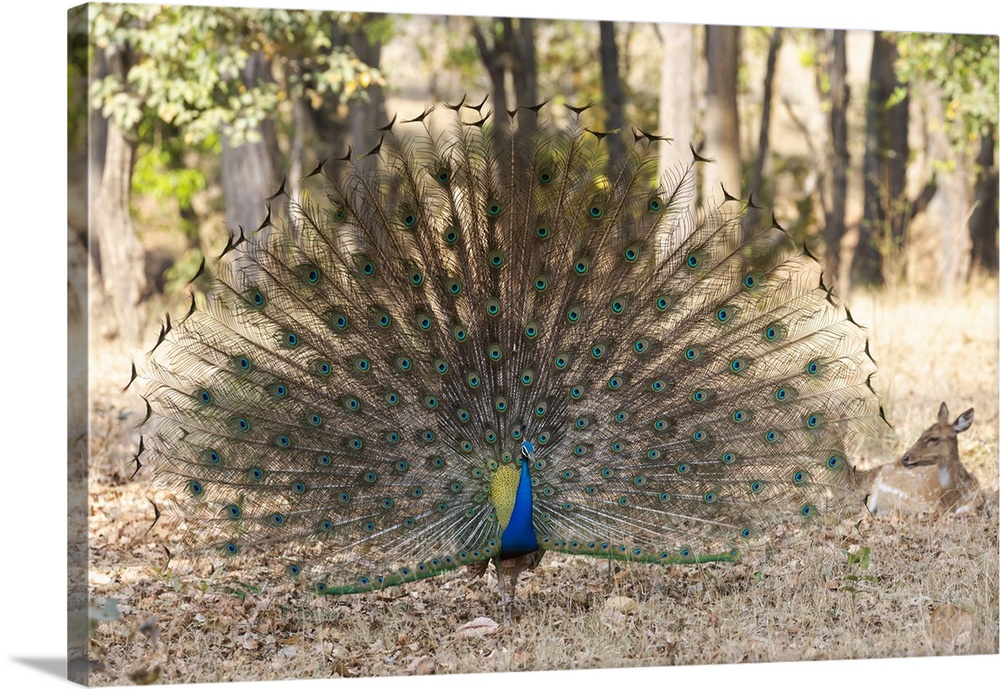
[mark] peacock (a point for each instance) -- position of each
(492, 339)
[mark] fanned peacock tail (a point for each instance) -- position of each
(494, 340)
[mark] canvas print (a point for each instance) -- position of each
(426, 344)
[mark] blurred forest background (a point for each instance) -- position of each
(877, 149)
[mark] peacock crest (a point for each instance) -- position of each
(496, 341)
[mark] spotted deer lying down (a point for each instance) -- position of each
(929, 477)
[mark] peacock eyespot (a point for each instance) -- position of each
(423, 321)
(581, 266)
(654, 454)
(545, 176)
(242, 363)
(631, 254)
(807, 510)
(231, 549)
(597, 351)
(203, 396)
(542, 232)
(196, 488)
(640, 346)
(212, 456)
(473, 380)
(255, 474)
(443, 175)
(256, 299)
(543, 438)
(691, 353)
(367, 269)
(241, 424)
(322, 368)
(298, 488)
(576, 392)
(392, 437)
(728, 458)
(463, 415)
(562, 361)
(495, 353)
(493, 307)
(615, 382)
(739, 416)
(596, 211)
(355, 443)
(582, 422)
(290, 340)
(282, 441)
(663, 304)
(527, 377)
(409, 220)
(737, 365)
(750, 282)
(773, 436)
(324, 460)
(813, 421)
(655, 205)
(234, 512)
(798, 477)
(431, 402)
(723, 315)
(416, 277)
(403, 363)
(531, 330)
(693, 261)
(658, 385)
(460, 334)
(450, 235)
(314, 419)
(574, 314)
(493, 207)
(496, 258)
(814, 368)
(699, 436)
(501, 405)
(541, 283)
(362, 365)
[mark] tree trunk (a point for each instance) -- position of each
(249, 170)
(882, 239)
(840, 156)
(492, 57)
(722, 125)
(763, 140)
(611, 84)
(983, 222)
(122, 257)
(677, 99)
(525, 62)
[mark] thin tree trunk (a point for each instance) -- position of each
(840, 158)
(249, 170)
(492, 58)
(122, 257)
(983, 223)
(722, 126)
(763, 143)
(886, 152)
(611, 84)
(677, 98)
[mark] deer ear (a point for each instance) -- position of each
(963, 422)
(943, 413)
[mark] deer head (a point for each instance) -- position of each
(939, 443)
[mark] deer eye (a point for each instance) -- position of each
(933, 439)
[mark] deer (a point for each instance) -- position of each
(929, 477)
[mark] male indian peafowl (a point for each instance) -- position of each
(496, 342)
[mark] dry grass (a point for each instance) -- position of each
(931, 586)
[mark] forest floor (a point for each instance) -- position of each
(865, 588)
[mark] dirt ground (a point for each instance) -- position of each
(865, 588)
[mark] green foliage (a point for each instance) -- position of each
(157, 174)
(964, 67)
(185, 65)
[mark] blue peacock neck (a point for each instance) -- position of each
(510, 494)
